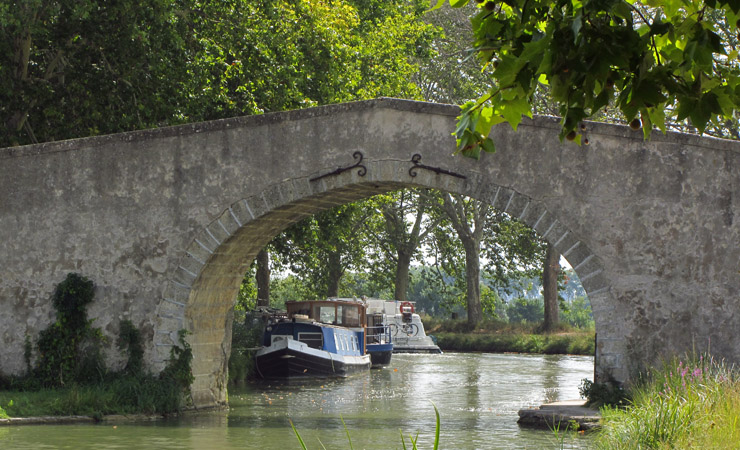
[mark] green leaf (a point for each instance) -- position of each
(657, 117)
(706, 108)
(575, 26)
(659, 28)
(300, 440)
(601, 100)
(488, 145)
(734, 5)
(513, 110)
(436, 428)
(647, 124)
(685, 106)
(433, 6)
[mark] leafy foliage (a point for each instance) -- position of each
(466, 229)
(654, 62)
(72, 68)
(178, 372)
(321, 248)
(68, 348)
(397, 227)
(603, 394)
(70, 376)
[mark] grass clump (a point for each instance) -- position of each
(689, 403)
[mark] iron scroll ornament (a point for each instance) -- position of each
(417, 157)
(361, 171)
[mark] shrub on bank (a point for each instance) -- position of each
(690, 403)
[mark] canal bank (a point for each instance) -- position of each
(570, 343)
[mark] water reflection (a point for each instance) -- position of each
(478, 396)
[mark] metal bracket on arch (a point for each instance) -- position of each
(417, 157)
(362, 170)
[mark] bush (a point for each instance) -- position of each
(69, 349)
(603, 394)
(525, 310)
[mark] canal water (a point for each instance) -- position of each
(477, 395)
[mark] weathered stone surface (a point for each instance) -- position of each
(166, 221)
(561, 416)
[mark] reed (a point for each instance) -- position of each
(690, 403)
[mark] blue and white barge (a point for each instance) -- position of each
(318, 338)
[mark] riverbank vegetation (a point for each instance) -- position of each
(499, 337)
(66, 373)
(692, 402)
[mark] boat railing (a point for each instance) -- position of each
(380, 334)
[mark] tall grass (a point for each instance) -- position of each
(145, 394)
(690, 403)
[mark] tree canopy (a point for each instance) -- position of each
(74, 68)
(656, 62)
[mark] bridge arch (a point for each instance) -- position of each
(166, 221)
(205, 284)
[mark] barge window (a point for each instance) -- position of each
(313, 340)
(325, 314)
(350, 316)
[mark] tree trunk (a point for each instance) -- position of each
(263, 278)
(550, 273)
(471, 239)
(335, 274)
(472, 281)
(402, 275)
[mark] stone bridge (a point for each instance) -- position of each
(167, 221)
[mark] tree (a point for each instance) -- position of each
(667, 61)
(475, 236)
(468, 218)
(263, 277)
(71, 68)
(321, 248)
(550, 273)
(453, 75)
(396, 238)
